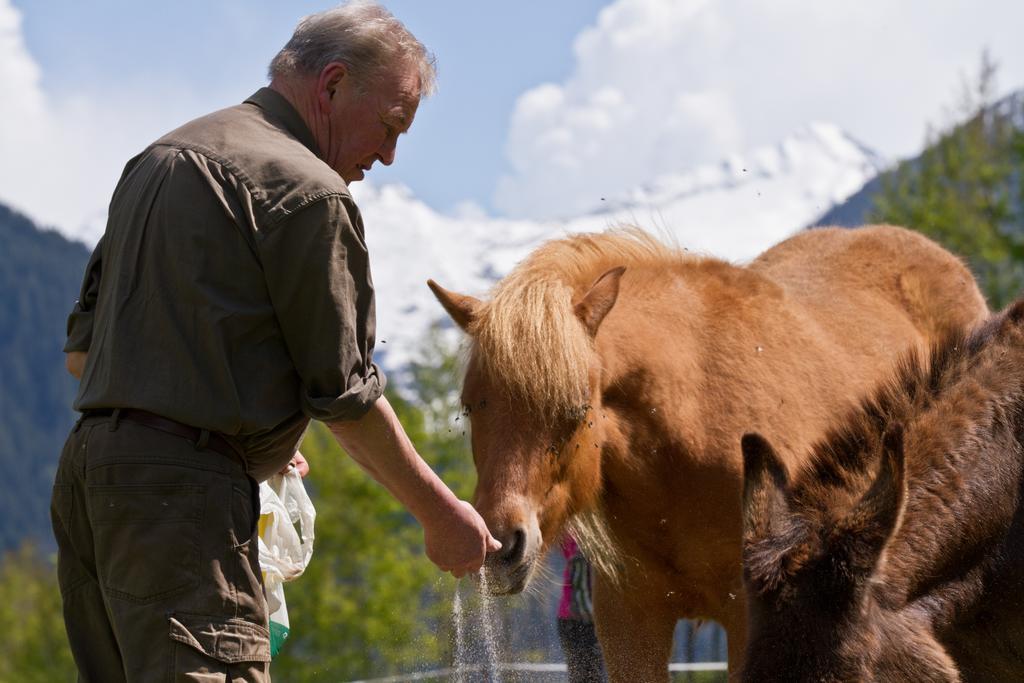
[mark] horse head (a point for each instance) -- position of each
(536, 434)
(810, 552)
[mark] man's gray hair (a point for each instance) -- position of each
(363, 36)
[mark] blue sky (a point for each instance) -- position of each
(543, 108)
(217, 51)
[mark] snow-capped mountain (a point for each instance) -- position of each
(733, 210)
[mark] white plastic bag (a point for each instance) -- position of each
(285, 544)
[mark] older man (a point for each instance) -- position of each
(228, 303)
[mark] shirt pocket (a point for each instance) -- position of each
(147, 539)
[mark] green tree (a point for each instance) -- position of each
(436, 378)
(370, 603)
(965, 189)
(34, 647)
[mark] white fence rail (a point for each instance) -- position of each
(522, 667)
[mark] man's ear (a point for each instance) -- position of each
(461, 307)
(330, 79)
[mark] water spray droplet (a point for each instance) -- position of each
(460, 635)
(476, 646)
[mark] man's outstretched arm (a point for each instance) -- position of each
(456, 537)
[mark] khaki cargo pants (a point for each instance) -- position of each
(157, 558)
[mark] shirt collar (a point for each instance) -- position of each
(275, 104)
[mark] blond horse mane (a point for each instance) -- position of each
(528, 338)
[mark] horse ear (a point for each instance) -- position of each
(764, 488)
(775, 541)
(597, 302)
(1015, 311)
(461, 307)
(864, 531)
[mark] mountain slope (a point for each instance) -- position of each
(733, 210)
(39, 281)
(856, 209)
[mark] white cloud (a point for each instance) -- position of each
(663, 85)
(17, 71)
(657, 87)
(60, 156)
(23, 110)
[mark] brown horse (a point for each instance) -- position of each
(610, 379)
(897, 553)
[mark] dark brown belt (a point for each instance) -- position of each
(202, 438)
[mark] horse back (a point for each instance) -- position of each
(840, 307)
(782, 345)
(700, 353)
(930, 286)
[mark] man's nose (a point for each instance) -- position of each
(387, 153)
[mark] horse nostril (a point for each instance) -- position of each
(513, 547)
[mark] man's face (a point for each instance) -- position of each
(364, 126)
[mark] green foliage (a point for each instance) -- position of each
(371, 603)
(362, 607)
(437, 378)
(966, 191)
(34, 647)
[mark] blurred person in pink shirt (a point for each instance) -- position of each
(576, 618)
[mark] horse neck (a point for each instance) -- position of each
(964, 478)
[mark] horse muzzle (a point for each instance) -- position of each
(510, 569)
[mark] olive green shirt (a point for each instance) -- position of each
(231, 290)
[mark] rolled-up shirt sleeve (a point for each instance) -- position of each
(80, 320)
(318, 275)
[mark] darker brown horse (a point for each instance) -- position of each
(898, 553)
(610, 379)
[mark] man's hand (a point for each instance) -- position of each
(457, 540)
(74, 361)
(298, 461)
(455, 535)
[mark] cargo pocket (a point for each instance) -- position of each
(147, 539)
(212, 646)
